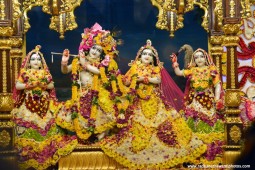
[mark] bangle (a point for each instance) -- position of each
(175, 65)
(146, 80)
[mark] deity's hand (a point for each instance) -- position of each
(31, 85)
(42, 85)
(140, 78)
(126, 80)
(65, 56)
(173, 58)
(81, 54)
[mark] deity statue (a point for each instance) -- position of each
(247, 106)
(155, 135)
(91, 111)
(40, 143)
(203, 102)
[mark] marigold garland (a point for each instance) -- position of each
(144, 91)
(103, 75)
(150, 107)
(74, 72)
(104, 101)
(81, 132)
(124, 89)
(114, 86)
(95, 82)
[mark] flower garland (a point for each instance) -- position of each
(124, 89)
(150, 106)
(144, 91)
(75, 79)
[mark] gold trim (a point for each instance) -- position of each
(231, 146)
(2, 10)
(5, 116)
(231, 29)
(233, 111)
(231, 41)
(233, 68)
(6, 31)
(235, 133)
(4, 72)
(232, 5)
(217, 50)
(216, 40)
(245, 12)
(16, 10)
(65, 20)
(218, 11)
(16, 42)
(233, 120)
(87, 148)
(6, 102)
(229, 157)
(232, 98)
(8, 124)
(5, 138)
(8, 152)
(205, 7)
(87, 160)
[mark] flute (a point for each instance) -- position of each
(52, 53)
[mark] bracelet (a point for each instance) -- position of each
(27, 86)
(175, 65)
(146, 80)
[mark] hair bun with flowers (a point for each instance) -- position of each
(96, 35)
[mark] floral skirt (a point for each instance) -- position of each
(210, 129)
(40, 143)
(146, 143)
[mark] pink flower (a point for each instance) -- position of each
(106, 61)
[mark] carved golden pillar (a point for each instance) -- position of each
(217, 50)
(10, 39)
(16, 58)
(233, 125)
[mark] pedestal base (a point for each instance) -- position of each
(87, 157)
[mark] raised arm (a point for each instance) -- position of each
(217, 91)
(65, 68)
(175, 65)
